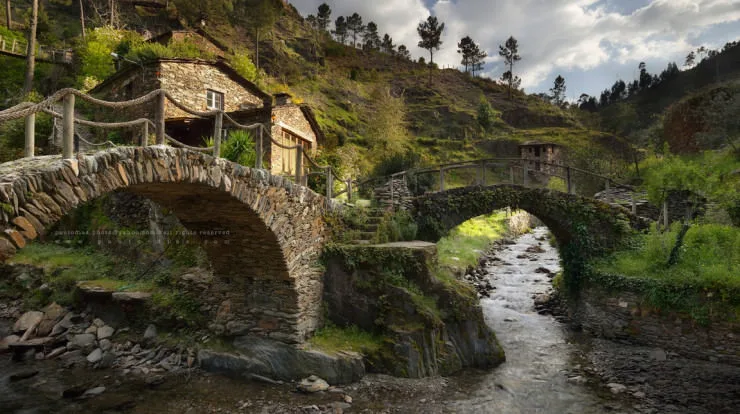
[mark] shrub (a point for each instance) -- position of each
(244, 66)
(397, 226)
(240, 148)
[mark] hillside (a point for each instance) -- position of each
(439, 121)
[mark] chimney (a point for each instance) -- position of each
(283, 99)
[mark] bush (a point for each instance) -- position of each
(244, 66)
(397, 226)
(239, 147)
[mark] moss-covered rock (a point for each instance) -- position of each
(431, 324)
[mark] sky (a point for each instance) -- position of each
(591, 43)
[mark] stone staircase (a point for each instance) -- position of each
(368, 229)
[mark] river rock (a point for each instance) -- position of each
(92, 329)
(658, 355)
(312, 384)
(543, 270)
(81, 341)
(150, 333)
(541, 300)
(93, 392)
(105, 344)
(535, 249)
(27, 320)
(105, 332)
(56, 352)
(64, 324)
(98, 322)
(23, 375)
(5, 342)
(107, 360)
(52, 314)
(95, 356)
(616, 388)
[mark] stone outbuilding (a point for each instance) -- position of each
(539, 154)
(206, 85)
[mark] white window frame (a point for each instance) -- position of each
(214, 99)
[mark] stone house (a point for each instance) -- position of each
(539, 154)
(206, 85)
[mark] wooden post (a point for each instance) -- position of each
(441, 179)
(218, 122)
(329, 183)
(159, 118)
(258, 146)
(30, 135)
(567, 180)
(145, 134)
(349, 190)
(665, 215)
(392, 191)
(298, 163)
(68, 127)
(12, 50)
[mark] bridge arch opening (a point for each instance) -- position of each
(262, 235)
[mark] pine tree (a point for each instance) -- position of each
(430, 32)
(510, 52)
(403, 52)
(477, 60)
(387, 45)
(355, 26)
(324, 16)
(465, 48)
(370, 38)
(340, 29)
(558, 91)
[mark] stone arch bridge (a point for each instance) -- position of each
(262, 233)
(582, 226)
(266, 232)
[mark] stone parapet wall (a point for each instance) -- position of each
(625, 315)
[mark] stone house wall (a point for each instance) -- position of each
(624, 315)
(548, 153)
(292, 116)
(187, 82)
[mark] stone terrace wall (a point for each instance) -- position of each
(263, 235)
(624, 315)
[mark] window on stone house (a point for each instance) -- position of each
(214, 99)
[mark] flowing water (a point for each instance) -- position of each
(540, 353)
(539, 350)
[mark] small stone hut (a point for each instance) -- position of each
(539, 154)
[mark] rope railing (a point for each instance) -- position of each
(67, 96)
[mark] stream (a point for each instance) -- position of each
(545, 371)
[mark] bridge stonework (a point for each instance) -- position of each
(262, 233)
(581, 225)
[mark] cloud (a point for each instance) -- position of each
(554, 35)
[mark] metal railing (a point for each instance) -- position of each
(68, 97)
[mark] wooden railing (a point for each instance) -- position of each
(19, 48)
(68, 97)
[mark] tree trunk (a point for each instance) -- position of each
(8, 15)
(257, 50)
(31, 53)
(82, 19)
(431, 63)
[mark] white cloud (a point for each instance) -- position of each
(554, 35)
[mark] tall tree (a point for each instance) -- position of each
(403, 52)
(82, 19)
(355, 26)
(387, 45)
(690, 59)
(261, 17)
(8, 15)
(645, 78)
(370, 38)
(477, 60)
(558, 90)
(340, 29)
(312, 21)
(430, 32)
(466, 48)
(323, 17)
(31, 54)
(510, 52)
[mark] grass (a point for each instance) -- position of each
(709, 259)
(333, 339)
(463, 246)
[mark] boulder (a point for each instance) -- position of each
(27, 320)
(95, 356)
(105, 332)
(312, 384)
(82, 341)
